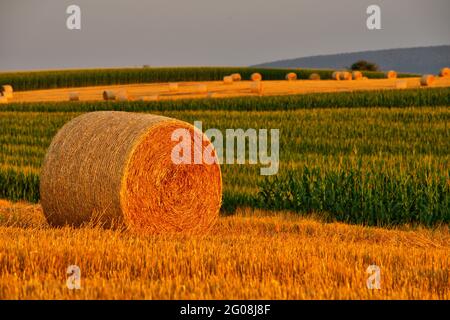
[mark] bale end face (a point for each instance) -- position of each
(109, 95)
(291, 76)
(314, 76)
(228, 80)
(357, 75)
(236, 76)
(445, 72)
(391, 74)
(256, 77)
(120, 167)
(427, 80)
(336, 75)
(7, 91)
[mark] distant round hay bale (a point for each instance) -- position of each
(391, 74)
(314, 76)
(7, 91)
(154, 97)
(122, 95)
(236, 76)
(74, 96)
(256, 77)
(3, 99)
(345, 75)
(357, 75)
(336, 75)
(173, 87)
(445, 72)
(402, 84)
(109, 95)
(228, 80)
(118, 167)
(256, 87)
(427, 80)
(291, 76)
(201, 88)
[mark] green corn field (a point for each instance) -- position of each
(94, 77)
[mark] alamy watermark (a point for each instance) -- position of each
(73, 281)
(374, 280)
(228, 148)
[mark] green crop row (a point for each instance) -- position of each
(357, 99)
(380, 166)
(94, 77)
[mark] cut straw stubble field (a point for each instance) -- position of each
(252, 255)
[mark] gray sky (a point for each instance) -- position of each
(33, 33)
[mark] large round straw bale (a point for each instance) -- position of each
(7, 91)
(427, 80)
(357, 75)
(109, 95)
(256, 77)
(112, 167)
(391, 74)
(122, 95)
(336, 75)
(236, 76)
(256, 87)
(291, 76)
(228, 80)
(173, 87)
(74, 96)
(445, 72)
(345, 75)
(314, 76)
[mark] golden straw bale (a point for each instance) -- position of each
(427, 80)
(291, 76)
(256, 77)
(445, 72)
(74, 96)
(7, 91)
(391, 74)
(357, 75)
(118, 167)
(228, 80)
(336, 75)
(345, 75)
(236, 76)
(109, 95)
(314, 76)
(3, 99)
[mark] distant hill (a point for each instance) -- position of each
(414, 60)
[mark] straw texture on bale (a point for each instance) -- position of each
(117, 167)
(256, 76)
(445, 72)
(391, 74)
(336, 75)
(173, 87)
(236, 76)
(109, 95)
(7, 91)
(154, 97)
(256, 87)
(228, 80)
(357, 75)
(427, 80)
(291, 76)
(314, 76)
(74, 96)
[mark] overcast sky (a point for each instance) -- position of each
(33, 33)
